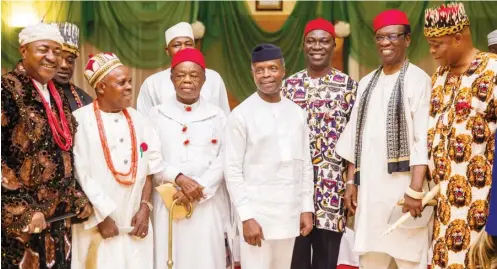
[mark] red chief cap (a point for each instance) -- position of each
(320, 24)
(390, 17)
(188, 55)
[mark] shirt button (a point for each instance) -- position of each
(115, 120)
(121, 140)
(125, 161)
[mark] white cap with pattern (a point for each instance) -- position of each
(99, 66)
(40, 31)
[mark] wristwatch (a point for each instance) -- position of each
(149, 205)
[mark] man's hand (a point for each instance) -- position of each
(182, 199)
(350, 198)
(86, 211)
(140, 222)
(252, 232)
(415, 206)
(108, 228)
(190, 188)
(306, 224)
(37, 224)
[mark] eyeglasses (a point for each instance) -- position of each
(390, 37)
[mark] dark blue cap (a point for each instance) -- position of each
(266, 52)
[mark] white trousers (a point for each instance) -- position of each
(272, 254)
(377, 260)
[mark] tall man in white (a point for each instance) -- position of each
(158, 88)
(268, 167)
(116, 151)
(385, 142)
(191, 130)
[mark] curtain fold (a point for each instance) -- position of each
(231, 27)
(134, 30)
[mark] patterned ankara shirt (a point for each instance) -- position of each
(328, 101)
(461, 150)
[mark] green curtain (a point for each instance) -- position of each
(363, 45)
(135, 31)
(361, 14)
(483, 18)
(231, 35)
(50, 11)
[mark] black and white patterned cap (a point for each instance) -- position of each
(70, 33)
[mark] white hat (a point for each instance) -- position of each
(40, 31)
(492, 38)
(99, 66)
(182, 29)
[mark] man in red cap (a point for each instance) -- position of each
(461, 133)
(327, 96)
(385, 144)
(158, 87)
(191, 132)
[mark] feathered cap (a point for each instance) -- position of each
(445, 20)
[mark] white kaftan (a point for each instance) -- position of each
(158, 88)
(268, 170)
(198, 242)
(108, 197)
(379, 191)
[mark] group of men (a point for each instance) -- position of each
(282, 172)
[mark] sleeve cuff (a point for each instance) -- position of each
(171, 173)
(244, 213)
(418, 159)
(100, 213)
(308, 205)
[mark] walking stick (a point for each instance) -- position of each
(170, 262)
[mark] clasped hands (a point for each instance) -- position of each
(108, 228)
(191, 190)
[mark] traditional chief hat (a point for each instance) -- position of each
(99, 66)
(492, 38)
(182, 29)
(320, 24)
(266, 52)
(390, 17)
(188, 55)
(40, 31)
(445, 20)
(70, 33)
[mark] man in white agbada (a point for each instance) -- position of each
(385, 142)
(158, 88)
(191, 131)
(268, 167)
(116, 151)
(492, 42)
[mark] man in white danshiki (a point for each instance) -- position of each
(385, 143)
(268, 167)
(116, 151)
(191, 131)
(158, 88)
